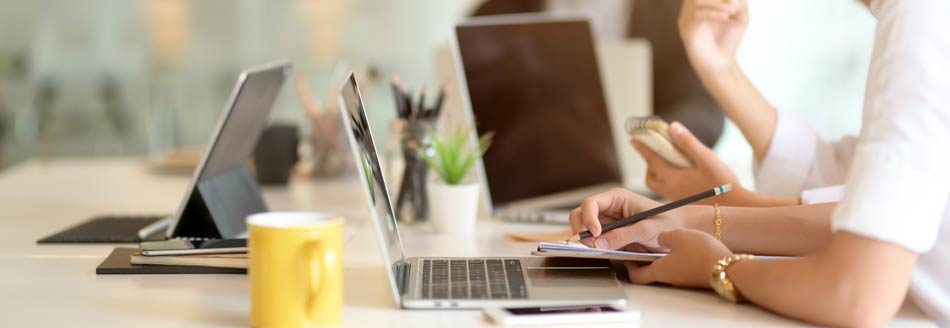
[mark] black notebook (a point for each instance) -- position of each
(119, 263)
(106, 229)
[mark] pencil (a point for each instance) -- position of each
(421, 107)
(404, 95)
(417, 112)
(439, 100)
(657, 210)
(398, 95)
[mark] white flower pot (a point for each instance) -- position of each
(453, 209)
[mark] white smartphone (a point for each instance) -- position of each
(563, 315)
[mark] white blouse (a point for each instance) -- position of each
(897, 172)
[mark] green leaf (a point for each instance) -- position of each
(441, 149)
(469, 161)
(434, 164)
(484, 142)
(449, 157)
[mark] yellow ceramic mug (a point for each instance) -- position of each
(296, 269)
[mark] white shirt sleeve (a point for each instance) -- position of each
(899, 184)
(823, 195)
(799, 159)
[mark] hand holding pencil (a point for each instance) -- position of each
(608, 220)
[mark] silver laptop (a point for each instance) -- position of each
(458, 282)
(534, 81)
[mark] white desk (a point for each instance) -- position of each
(56, 285)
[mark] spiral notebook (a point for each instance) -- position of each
(651, 131)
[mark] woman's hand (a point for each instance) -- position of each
(689, 263)
(708, 170)
(618, 204)
(711, 31)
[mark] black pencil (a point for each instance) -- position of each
(434, 112)
(404, 93)
(657, 210)
(421, 107)
(398, 95)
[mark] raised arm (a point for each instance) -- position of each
(711, 31)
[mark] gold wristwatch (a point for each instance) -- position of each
(721, 283)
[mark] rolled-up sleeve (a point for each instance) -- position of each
(784, 169)
(899, 184)
(798, 159)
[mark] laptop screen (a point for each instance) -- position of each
(534, 82)
(364, 151)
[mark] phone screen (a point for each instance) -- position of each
(559, 310)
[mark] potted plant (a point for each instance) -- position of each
(453, 203)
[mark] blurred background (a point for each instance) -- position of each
(139, 78)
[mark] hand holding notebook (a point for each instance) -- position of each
(652, 132)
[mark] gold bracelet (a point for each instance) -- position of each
(720, 282)
(718, 222)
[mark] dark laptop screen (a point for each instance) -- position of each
(536, 84)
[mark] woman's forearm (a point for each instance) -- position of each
(790, 230)
(857, 281)
(748, 198)
(743, 103)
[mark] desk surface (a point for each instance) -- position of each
(56, 285)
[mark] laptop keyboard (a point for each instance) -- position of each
(473, 279)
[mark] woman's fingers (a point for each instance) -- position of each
(648, 274)
(611, 203)
(637, 248)
(686, 141)
(710, 14)
(714, 10)
(577, 224)
(590, 212)
(641, 274)
(654, 162)
(726, 6)
(642, 232)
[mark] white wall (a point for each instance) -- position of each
(810, 58)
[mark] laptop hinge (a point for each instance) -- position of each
(402, 277)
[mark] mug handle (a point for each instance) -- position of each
(317, 263)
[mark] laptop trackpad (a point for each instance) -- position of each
(564, 276)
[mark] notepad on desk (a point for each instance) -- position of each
(582, 251)
(579, 250)
(233, 261)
